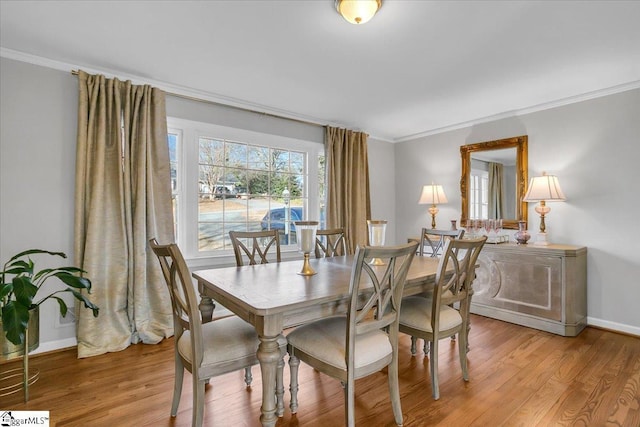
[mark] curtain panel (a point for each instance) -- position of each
(496, 190)
(123, 198)
(348, 200)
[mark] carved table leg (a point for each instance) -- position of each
(269, 357)
(206, 308)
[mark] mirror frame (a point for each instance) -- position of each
(520, 143)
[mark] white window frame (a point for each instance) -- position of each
(189, 133)
(479, 194)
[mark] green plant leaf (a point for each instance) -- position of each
(87, 303)
(18, 267)
(15, 318)
(63, 306)
(73, 280)
(5, 290)
(24, 290)
(37, 251)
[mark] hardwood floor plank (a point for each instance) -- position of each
(518, 377)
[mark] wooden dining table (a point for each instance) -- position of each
(273, 297)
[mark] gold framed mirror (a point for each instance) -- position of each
(494, 180)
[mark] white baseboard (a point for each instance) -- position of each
(613, 326)
(55, 345)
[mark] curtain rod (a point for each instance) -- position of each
(193, 98)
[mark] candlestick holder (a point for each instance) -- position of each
(306, 237)
(377, 229)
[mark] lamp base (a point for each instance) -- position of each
(541, 239)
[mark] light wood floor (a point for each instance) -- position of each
(518, 377)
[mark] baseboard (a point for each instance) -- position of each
(613, 326)
(48, 346)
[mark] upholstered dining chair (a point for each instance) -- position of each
(260, 247)
(330, 242)
(365, 340)
(432, 240)
(207, 349)
(431, 244)
(255, 247)
(434, 316)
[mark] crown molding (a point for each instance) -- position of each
(169, 88)
(520, 112)
(195, 94)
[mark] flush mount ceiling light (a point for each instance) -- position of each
(358, 11)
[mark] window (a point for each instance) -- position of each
(232, 179)
(479, 194)
(174, 149)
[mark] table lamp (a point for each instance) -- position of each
(545, 188)
(432, 195)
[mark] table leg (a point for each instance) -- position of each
(206, 308)
(269, 356)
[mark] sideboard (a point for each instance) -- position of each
(542, 287)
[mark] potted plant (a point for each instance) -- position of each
(21, 291)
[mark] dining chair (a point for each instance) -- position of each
(431, 244)
(432, 240)
(207, 349)
(255, 246)
(365, 340)
(330, 242)
(433, 317)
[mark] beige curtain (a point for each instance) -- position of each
(123, 198)
(348, 202)
(496, 190)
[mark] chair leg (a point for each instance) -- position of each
(248, 376)
(294, 363)
(177, 386)
(280, 387)
(349, 404)
(198, 403)
(394, 391)
(425, 349)
(433, 363)
(414, 340)
(462, 350)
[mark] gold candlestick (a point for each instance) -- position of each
(306, 236)
(306, 267)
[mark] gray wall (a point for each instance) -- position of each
(594, 148)
(37, 161)
(38, 118)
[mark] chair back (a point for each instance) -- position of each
(456, 272)
(256, 247)
(330, 242)
(184, 302)
(381, 286)
(434, 240)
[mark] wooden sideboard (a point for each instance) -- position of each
(542, 287)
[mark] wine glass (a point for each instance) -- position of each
(489, 225)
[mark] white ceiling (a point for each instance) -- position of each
(418, 67)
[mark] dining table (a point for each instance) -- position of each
(273, 297)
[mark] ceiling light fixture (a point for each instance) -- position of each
(358, 11)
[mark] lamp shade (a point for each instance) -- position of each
(432, 195)
(545, 187)
(358, 11)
